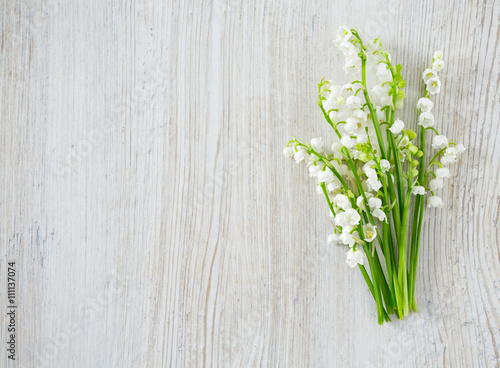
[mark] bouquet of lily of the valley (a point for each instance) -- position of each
(374, 176)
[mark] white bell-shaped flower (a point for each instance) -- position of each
(353, 102)
(370, 232)
(397, 127)
(288, 152)
(379, 214)
(325, 175)
(343, 34)
(442, 173)
(317, 144)
(424, 104)
(385, 165)
(450, 156)
(437, 65)
(341, 201)
(438, 55)
(383, 72)
(439, 142)
(355, 257)
(374, 203)
(347, 141)
(418, 190)
(434, 85)
(300, 154)
(350, 125)
(436, 184)
(435, 201)
(429, 74)
(334, 185)
(315, 169)
(426, 119)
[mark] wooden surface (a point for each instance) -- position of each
(154, 221)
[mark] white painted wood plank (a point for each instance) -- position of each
(151, 215)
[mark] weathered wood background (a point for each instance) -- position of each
(154, 221)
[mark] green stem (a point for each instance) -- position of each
(386, 292)
(376, 279)
(370, 286)
(379, 280)
(373, 111)
(330, 121)
(418, 215)
(402, 269)
(390, 263)
(376, 270)
(399, 170)
(330, 205)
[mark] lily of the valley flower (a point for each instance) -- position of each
(418, 190)
(288, 152)
(343, 35)
(370, 232)
(439, 142)
(397, 127)
(315, 168)
(429, 74)
(437, 65)
(374, 203)
(300, 154)
(360, 202)
(436, 184)
(438, 55)
(442, 173)
(347, 141)
(383, 72)
(347, 238)
(426, 119)
(333, 186)
(385, 165)
(379, 214)
(317, 144)
(434, 85)
(450, 156)
(348, 219)
(424, 104)
(325, 175)
(342, 201)
(435, 201)
(351, 124)
(355, 257)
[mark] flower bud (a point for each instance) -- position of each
(411, 134)
(413, 149)
(363, 157)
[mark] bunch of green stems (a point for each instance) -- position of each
(399, 239)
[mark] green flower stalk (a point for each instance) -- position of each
(374, 175)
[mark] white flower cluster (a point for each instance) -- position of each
(440, 142)
(357, 170)
(431, 79)
(330, 169)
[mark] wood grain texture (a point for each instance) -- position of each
(154, 221)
